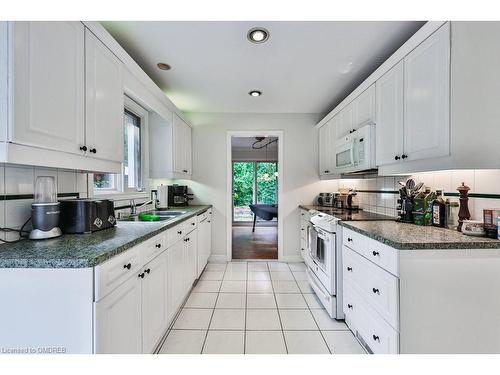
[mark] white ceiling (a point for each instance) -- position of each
(305, 67)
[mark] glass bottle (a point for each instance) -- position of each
(439, 210)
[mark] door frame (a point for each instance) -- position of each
(229, 185)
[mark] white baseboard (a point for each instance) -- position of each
(217, 258)
(291, 258)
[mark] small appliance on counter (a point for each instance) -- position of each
(45, 210)
(347, 199)
(327, 199)
(86, 215)
(162, 197)
(178, 195)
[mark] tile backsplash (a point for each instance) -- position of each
(380, 194)
(17, 189)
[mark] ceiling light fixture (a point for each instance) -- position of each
(163, 66)
(258, 35)
(255, 93)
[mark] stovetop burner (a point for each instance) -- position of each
(349, 215)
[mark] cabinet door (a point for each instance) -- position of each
(188, 150)
(104, 101)
(426, 89)
(181, 146)
(154, 302)
(175, 276)
(48, 90)
(191, 259)
(364, 108)
(346, 122)
(118, 320)
(324, 141)
(389, 128)
(202, 247)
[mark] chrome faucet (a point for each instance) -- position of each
(134, 207)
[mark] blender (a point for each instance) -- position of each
(45, 210)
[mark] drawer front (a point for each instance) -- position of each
(190, 225)
(377, 287)
(153, 247)
(112, 273)
(375, 334)
(202, 216)
(304, 214)
(353, 240)
(382, 255)
(175, 234)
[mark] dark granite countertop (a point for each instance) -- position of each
(87, 250)
(414, 237)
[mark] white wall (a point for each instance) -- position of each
(300, 178)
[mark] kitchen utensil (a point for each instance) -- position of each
(146, 216)
(45, 209)
(418, 187)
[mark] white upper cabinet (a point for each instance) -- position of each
(389, 129)
(427, 98)
(169, 147)
(364, 108)
(48, 85)
(104, 101)
(346, 121)
(182, 147)
(327, 137)
(324, 142)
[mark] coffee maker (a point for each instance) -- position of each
(178, 195)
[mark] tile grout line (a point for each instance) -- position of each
(277, 309)
(245, 326)
(213, 310)
(310, 312)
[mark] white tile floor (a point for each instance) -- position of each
(256, 308)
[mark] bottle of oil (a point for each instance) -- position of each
(439, 210)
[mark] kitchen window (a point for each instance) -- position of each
(132, 176)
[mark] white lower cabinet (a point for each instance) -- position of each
(154, 301)
(176, 275)
(118, 320)
(417, 300)
(204, 241)
(139, 292)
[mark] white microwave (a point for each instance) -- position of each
(356, 151)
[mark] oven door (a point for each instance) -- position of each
(321, 248)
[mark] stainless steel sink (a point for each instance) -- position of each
(164, 216)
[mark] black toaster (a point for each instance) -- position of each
(86, 215)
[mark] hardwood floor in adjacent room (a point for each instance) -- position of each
(261, 244)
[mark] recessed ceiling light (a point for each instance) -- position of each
(258, 35)
(255, 93)
(163, 66)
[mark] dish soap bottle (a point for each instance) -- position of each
(439, 210)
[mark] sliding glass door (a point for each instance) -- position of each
(254, 182)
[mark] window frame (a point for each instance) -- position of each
(120, 189)
(254, 192)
